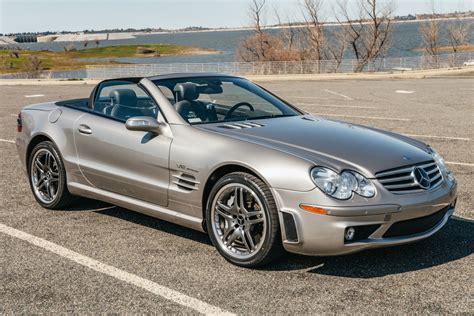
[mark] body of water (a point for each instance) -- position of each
(406, 38)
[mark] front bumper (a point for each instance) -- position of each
(316, 234)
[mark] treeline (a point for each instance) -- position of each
(363, 30)
(117, 30)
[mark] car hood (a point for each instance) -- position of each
(330, 143)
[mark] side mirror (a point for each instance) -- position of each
(143, 124)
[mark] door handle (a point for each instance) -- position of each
(84, 129)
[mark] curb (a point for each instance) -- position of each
(415, 74)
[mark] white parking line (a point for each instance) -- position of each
(150, 286)
(338, 94)
(440, 137)
(338, 106)
(7, 141)
(34, 96)
(460, 164)
(404, 92)
(364, 117)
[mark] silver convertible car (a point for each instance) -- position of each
(222, 155)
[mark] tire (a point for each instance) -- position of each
(48, 177)
(247, 236)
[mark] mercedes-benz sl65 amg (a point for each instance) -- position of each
(223, 155)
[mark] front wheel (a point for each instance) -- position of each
(47, 176)
(242, 220)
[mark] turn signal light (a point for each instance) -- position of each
(313, 209)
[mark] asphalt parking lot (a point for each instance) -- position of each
(432, 276)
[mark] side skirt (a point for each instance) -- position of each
(136, 205)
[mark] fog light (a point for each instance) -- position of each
(350, 234)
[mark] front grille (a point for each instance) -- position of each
(416, 225)
(402, 180)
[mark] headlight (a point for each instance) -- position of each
(341, 186)
(442, 165)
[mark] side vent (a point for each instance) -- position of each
(241, 125)
(185, 182)
(290, 227)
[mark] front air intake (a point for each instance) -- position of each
(290, 227)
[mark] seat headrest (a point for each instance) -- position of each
(125, 97)
(186, 91)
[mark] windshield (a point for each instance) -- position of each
(203, 100)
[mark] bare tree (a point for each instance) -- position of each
(369, 31)
(337, 47)
(290, 37)
(33, 66)
(430, 35)
(458, 32)
(312, 13)
(257, 12)
(261, 46)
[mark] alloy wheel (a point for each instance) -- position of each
(238, 220)
(45, 176)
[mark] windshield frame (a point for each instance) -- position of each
(285, 107)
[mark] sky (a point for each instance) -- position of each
(77, 15)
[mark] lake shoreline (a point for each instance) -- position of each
(15, 61)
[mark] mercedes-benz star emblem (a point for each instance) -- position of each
(421, 178)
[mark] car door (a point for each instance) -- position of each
(115, 159)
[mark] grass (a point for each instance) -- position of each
(70, 60)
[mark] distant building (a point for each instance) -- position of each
(26, 38)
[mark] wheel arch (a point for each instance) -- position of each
(217, 174)
(39, 138)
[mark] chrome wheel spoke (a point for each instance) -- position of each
(247, 239)
(254, 213)
(237, 193)
(47, 161)
(224, 210)
(39, 166)
(235, 234)
(226, 234)
(48, 190)
(41, 183)
(255, 221)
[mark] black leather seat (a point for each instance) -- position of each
(188, 106)
(125, 104)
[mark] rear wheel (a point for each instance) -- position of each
(242, 220)
(47, 177)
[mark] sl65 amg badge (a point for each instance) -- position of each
(183, 167)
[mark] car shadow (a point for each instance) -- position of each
(455, 241)
(155, 223)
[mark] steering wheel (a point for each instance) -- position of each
(235, 107)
